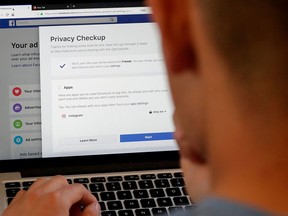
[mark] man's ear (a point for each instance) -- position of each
(175, 24)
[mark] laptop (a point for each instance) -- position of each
(84, 94)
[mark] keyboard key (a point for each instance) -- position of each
(96, 195)
(142, 212)
(131, 177)
(164, 202)
(130, 185)
(108, 213)
(177, 182)
(99, 187)
(178, 175)
(81, 180)
(102, 205)
(189, 208)
(181, 200)
(26, 188)
(159, 211)
(148, 176)
(115, 178)
(162, 183)
(9, 200)
(146, 184)
(176, 210)
(125, 213)
(124, 195)
(184, 191)
(12, 185)
(157, 193)
(114, 205)
(131, 204)
(105, 196)
(140, 194)
(173, 192)
(113, 186)
(98, 179)
(148, 203)
(12, 192)
(27, 184)
(164, 175)
(69, 181)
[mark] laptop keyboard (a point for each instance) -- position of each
(129, 195)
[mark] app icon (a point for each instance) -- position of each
(18, 140)
(12, 22)
(17, 124)
(17, 91)
(17, 108)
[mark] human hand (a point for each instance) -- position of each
(54, 197)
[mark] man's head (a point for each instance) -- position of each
(252, 38)
(228, 71)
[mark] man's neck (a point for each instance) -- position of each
(266, 190)
(254, 167)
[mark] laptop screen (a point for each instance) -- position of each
(82, 79)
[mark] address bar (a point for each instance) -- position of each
(96, 12)
(115, 11)
(47, 22)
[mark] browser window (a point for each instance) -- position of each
(103, 87)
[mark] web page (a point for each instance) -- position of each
(104, 92)
(20, 113)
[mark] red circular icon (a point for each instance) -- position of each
(17, 91)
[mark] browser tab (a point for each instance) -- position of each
(86, 5)
(51, 7)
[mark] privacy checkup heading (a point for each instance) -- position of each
(77, 38)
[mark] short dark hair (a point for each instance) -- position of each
(252, 36)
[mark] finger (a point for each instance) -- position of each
(76, 193)
(92, 209)
(18, 196)
(52, 184)
(76, 210)
(38, 183)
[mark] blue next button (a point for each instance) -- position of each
(146, 137)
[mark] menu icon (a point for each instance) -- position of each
(17, 108)
(17, 91)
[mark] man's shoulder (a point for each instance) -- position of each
(222, 207)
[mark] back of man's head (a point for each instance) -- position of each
(252, 38)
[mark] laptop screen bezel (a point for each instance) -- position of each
(92, 164)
